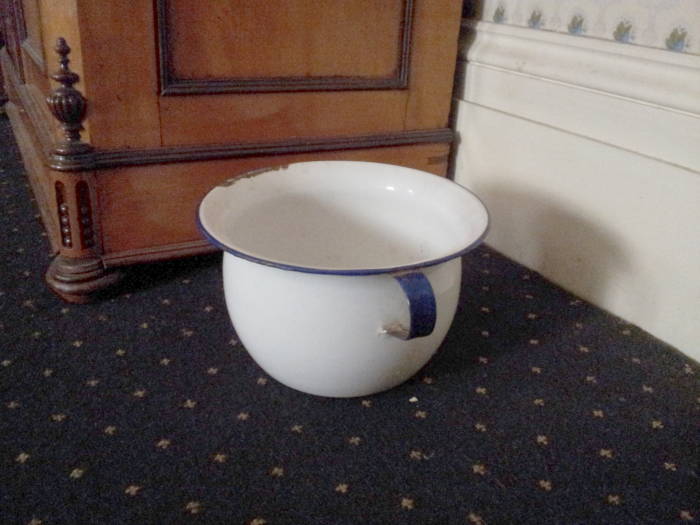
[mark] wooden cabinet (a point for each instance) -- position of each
(156, 102)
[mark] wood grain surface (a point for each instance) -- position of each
(151, 206)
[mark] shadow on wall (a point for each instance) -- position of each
(472, 8)
(537, 231)
(566, 247)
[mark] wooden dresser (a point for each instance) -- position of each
(153, 102)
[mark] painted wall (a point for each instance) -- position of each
(587, 151)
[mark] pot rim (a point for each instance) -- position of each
(339, 271)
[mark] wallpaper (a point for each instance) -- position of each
(664, 24)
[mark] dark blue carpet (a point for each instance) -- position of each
(144, 409)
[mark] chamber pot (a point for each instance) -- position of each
(342, 278)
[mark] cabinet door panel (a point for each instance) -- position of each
(315, 91)
(278, 45)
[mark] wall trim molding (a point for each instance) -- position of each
(646, 75)
(643, 100)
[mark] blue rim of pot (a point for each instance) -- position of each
(350, 271)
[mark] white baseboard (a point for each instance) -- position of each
(590, 178)
(616, 228)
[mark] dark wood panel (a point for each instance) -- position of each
(20, 111)
(36, 174)
(3, 92)
(32, 38)
(12, 20)
(250, 46)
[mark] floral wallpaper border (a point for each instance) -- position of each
(663, 24)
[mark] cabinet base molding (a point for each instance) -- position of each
(80, 280)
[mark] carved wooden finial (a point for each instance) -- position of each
(68, 106)
(64, 75)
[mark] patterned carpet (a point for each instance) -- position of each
(145, 409)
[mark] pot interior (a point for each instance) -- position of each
(343, 217)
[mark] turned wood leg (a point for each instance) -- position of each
(77, 274)
(80, 280)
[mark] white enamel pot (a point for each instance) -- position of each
(342, 278)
